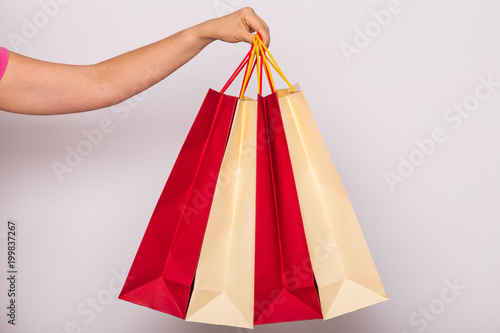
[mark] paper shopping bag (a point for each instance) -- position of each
(343, 267)
(162, 273)
(284, 281)
(223, 290)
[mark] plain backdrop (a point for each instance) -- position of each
(434, 237)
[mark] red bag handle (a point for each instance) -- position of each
(237, 71)
(259, 59)
(258, 56)
(244, 63)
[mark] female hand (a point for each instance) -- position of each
(237, 27)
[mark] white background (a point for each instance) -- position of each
(77, 237)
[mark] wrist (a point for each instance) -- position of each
(205, 32)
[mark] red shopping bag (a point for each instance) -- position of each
(284, 281)
(164, 267)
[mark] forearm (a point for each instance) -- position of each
(128, 74)
(38, 87)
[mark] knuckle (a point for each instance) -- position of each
(248, 10)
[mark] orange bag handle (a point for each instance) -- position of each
(260, 57)
(248, 72)
(258, 60)
(262, 60)
(267, 70)
(272, 61)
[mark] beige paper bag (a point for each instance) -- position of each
(224, 283)
(343, 267)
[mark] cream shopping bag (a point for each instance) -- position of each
(345, 273)
(224, 283)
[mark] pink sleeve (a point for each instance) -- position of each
(4, 58)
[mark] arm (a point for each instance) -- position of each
(39, 87)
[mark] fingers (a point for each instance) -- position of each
(247, 37)
(254, 23)
(237, 27)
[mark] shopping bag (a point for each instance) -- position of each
(224, 284)
(163, 270)
(254, 225)
(345, 273)
(284, 281)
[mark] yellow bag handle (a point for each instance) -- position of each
(258, 58)
(271, 60)
(267, 69)
(248, 71)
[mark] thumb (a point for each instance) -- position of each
(247, 37)
(266, 39)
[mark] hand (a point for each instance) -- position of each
(237, 27)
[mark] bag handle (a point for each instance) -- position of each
(273, 63)
(260, 60)
(260, 57)
(265, 57)
(237, 71)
